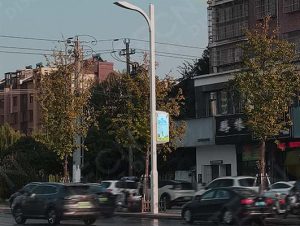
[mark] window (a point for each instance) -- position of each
(247, 182)
(213, 184)
(50, 190)
(280, 186)
(1, 119)
(291, 6)
(225, 183)
(15, 101)
(105, 184)
(222, 194)
(30, 115)
(126, 184)
(31, 98)
(208, 195)
(76, 190)
(14, 118)
(265, 8)
(1, 103)
(40, 190)
(228, 169)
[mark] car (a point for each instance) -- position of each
(26, 188)
(107, 201)
(174, 192)
(55, 202)
(227, 206)
(238, 181)
(280, 187)
(117, 187)
(293, 200)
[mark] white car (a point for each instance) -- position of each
(174, 192)
(280, 187)
(239, 181)
(117, 187)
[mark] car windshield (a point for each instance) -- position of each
(29, 187)
(297, 185)
(127, 184)
(76, 190)
(96, 189)
(105, 184)
(247, 182)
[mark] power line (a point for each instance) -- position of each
(170, 56)
(171, 53)
(26, 53)
(15, 47)
(31, 38)
(170, 44)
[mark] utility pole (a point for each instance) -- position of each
(127, 52)
(77, 155)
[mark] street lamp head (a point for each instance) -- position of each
(126, 5)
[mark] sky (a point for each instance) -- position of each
(181, 22)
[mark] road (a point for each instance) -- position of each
(7, 220)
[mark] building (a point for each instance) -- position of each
(18, 101)
(224, 146)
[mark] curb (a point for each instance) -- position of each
(150, 215)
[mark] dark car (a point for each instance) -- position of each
(26, 188)
(107, 201)
(55, 202)
(293, 200)
(227, 205)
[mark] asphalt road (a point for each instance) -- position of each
(7, 220)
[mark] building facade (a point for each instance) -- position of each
(18, 94)
(224, 146)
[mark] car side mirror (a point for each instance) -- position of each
(32, 195)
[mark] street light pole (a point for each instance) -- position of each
(151, 23)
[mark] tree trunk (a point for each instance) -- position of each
(66, 172)
(146, 178)
(262, 166)
(130, 161)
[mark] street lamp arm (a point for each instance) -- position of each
(130, 6)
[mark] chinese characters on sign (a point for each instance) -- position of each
(231, 129)
(237, 125)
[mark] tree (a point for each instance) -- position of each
(63, 97)
(8, 136)
(198, 67)
(267, 84)
(122, 104)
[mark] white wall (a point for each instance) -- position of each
(226, 153)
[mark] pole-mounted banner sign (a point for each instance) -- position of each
(162, 125)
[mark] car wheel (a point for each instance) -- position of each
(52, 217)
(89, 220)
(188, 217)
(18, 215)
(165, 200)
(227, 217)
